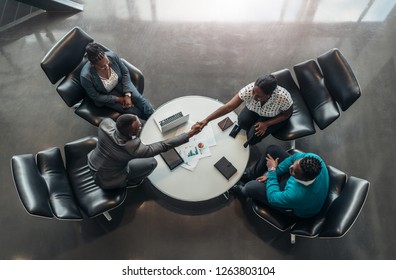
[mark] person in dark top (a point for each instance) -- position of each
(107, 82)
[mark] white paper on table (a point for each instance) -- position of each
(191, 151)
(190, 165)
(197, 147)
(206, 135)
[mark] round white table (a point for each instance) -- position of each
(205, 181)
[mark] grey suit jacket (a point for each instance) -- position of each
(110, 158)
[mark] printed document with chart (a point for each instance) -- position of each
(198, 147)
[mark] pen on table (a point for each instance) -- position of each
(225, 122)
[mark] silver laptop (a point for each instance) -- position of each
(171, 120)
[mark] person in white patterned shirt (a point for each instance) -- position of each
(267, 107)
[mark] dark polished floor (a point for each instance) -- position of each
(211, 48)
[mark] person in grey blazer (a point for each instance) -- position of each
(120, 159)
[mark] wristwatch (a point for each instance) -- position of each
(128, 94)
(271, 168)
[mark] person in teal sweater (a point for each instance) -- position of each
(295, 184)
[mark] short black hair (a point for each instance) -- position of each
(94, 52)
(311, 167)
(267, 83)
(124, 124)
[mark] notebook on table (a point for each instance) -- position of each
(225, 167)
(225, 123)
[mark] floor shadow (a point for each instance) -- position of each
(188, 207)
(266, 232)
(93, 228)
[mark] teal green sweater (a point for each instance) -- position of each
(306, 201)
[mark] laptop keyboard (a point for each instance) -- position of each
(171, 119)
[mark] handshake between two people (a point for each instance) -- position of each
(196, 128)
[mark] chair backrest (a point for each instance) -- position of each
(65, 55)
(339, 78)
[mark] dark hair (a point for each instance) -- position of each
(124, 123)
(311, 167)
(267, 83)
(94, 52)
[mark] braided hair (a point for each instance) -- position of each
(311, 167)
(267, 83)
(94, 52)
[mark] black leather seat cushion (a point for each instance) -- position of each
(65, 55)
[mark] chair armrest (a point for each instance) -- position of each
(346, 208)
(94, 114)
(275, 218)
(70, 88)
(137, 76)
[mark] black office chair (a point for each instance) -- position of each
(48, 189)
(317, 94)
(327, 83)
(65, 60)
(345, 200)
